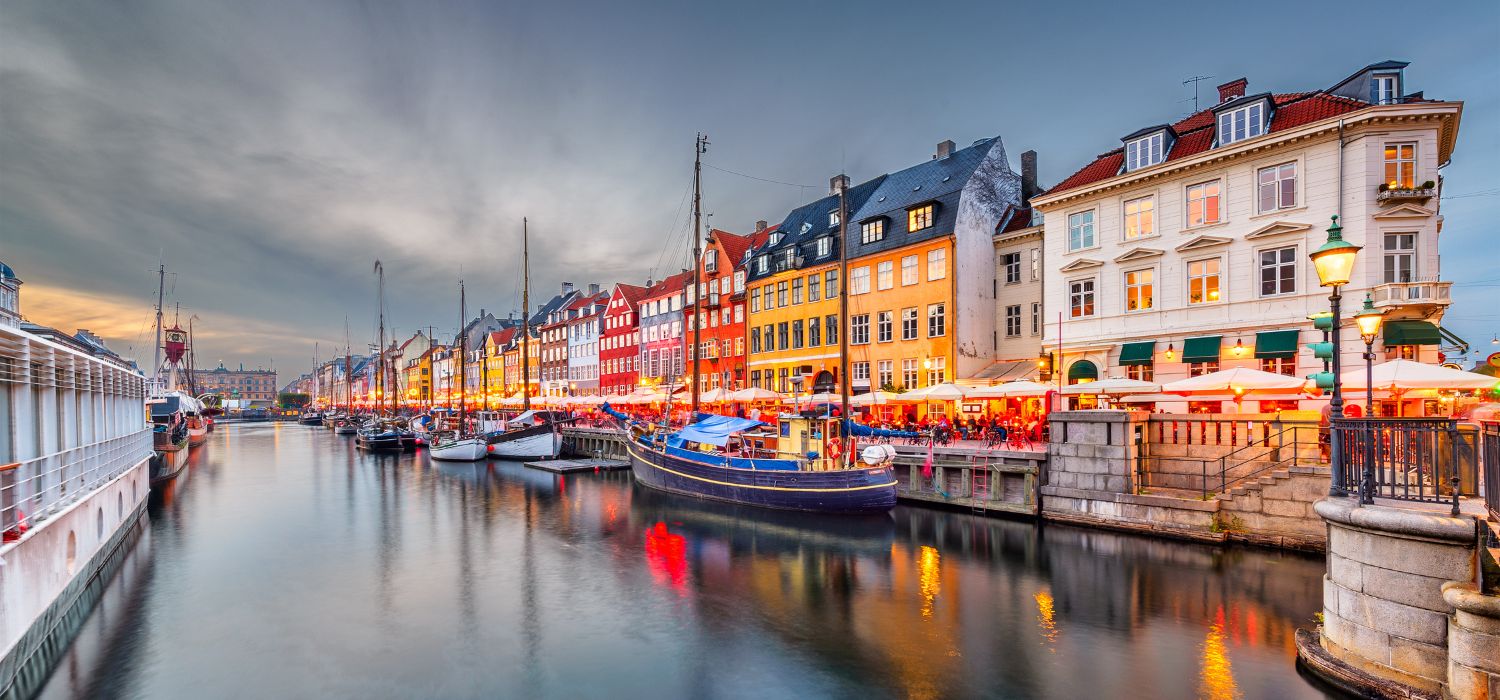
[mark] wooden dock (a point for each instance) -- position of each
(569, 466)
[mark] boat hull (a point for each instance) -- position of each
(384, 442)
(167, 464)
(345, 429)
(834, 491)
(541, 442)
(465, 450)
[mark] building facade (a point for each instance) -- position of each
(1185, 250)
(243, 384)
(720, 343)
(619, 342)
(662, 349)
(584, 330)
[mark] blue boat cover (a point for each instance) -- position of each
(712, 429)
(866, 431)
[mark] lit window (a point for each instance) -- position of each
(1198, 369)
(1278, 271)
(872, 231)
(909, 323)
(1203, 281)
(1401, 165)
(885, 275)
(937, 264)
(937, 320)
(919, 218)
(1279, 365)
(1140, 217)
(1143, 373)
(1243, 123)
(1144, 152)
(1081, 298)
(1400, 257)
(1277, 186)
(1203, 203)
(1138, 290)
(1383, 90)
(859, 281)
(937, 370)
(1081, 230)
(859, 329)
(908, 270)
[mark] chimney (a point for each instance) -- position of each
(835, 183)
(593, 289)
(760, 225)
(1028, 177)
(944, 149)
(1232, 90)
(567, 288)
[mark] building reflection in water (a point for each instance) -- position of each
(1046, 616)
(928, 563)
(1218, 676)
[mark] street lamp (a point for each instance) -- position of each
(1334, 261)
(1369, 319)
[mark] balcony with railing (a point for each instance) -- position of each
(1413, 292)
(33, 490)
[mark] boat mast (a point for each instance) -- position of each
(161, 288)
(463, 378)
(380, 356)
(525, 316)
(700, 146)
(348, 377)
(845, 424)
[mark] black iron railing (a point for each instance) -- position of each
(1489, 449)
(1409, 459)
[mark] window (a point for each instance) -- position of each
(1277, 187)
(769, 301)
(1198, 369)
(937, 320)
(1080, 230)
(1143, 373)
(812, 287)
(1203, 203)
(762, 264)
(1278, 271)
(1013, 321)
(909, 373)
(711, 261)
(859, 329)
(884, 373)
(830, 284)
(782, 340)
(1080, 298)
(937, 370)
(859, 281)
(872, 231)
(754, 302)
(859, 371)
(885, 275)
(739, 281)
(754, 341)
(883, 326)
(1279, 365)
(825, 245)
(1139, 218)
(1138, 296)
(775, 238)
(909, 270)
(1243, 123)
(918, 218)
(1400, 257)
(770, 335)
(1036, 264)
(831, 329)
(814, 328)
(833, 218)
(781, 293)
(1036, 317)
(1144, 152)
(1383, 89)
(937, 264)
(797, 334)
(782, 384)
(1401, 165)
(1011, 263)
(909, 323)
(797, 291)
(1203, 281)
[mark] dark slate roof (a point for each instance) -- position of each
(940, 180)
(809, 222)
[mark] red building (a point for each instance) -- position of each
(619, 344)
(721, 314)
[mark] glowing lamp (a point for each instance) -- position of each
(1239, 347)
(1369, 320)
(1334, 260)
(1171, 351)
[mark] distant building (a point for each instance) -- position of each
(243, 384)
(10, 297)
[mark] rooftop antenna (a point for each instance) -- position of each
(1195, 80)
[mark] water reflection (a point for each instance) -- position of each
(303, 567)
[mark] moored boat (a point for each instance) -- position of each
(531, 435)
(459, 449)
(310, 417)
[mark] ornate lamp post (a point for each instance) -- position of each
(1334, 261)
(1369, 319)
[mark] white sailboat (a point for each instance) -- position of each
(459, 445)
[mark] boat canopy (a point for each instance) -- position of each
(527, 418)
(712, 429)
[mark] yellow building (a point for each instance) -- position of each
(900, 322)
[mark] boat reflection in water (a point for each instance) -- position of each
(400, 577)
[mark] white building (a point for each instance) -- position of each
(584, 329)
(1185, 250)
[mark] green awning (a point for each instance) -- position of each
(1271, 345)
(1411, 333)
(1204, 349)
(1082, 370)
(1455, 341)
(1137, 353)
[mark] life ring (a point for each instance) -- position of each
(834, 449)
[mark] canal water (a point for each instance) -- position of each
(287, 564)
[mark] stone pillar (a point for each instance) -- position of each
(1384, 612)
(1473, 643)
(1094, 450)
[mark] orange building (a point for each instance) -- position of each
(721, 319)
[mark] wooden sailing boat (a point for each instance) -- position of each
(384, 434)
(533, 434)
(460, 445)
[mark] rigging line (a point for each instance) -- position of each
(672, 229)
(752, 177)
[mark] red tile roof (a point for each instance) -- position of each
(504, 335)
(672, 284)
(1195, 133)
(735, 244)
(632, 293)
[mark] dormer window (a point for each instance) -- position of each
(918, 218)
(833, 218)
(825, 246)
(1242, 123)
(775, 237)
(871, 231)
(762, 264)
(1384, 89)
(711, 261)
(1145, 151)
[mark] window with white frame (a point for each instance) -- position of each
(833, 218)
(1036, 264)
(814, 332)
(859, 371)
(859, 329)
(1401, 165)
(1036, 317)
(1243, 123)
(1400, 257)
(1278, 271)
(739, 281)
(884, 373)
(937, 320)
(781, 294)
(825, 246)
(909, 323)
(1279, 365)
(1011, 263)
(1081, 230)
(885, 275)
(1013, 321)
(884, 321)
(937, 264)
(1276, 187)
(872, 231)
(909, 373)
(1081, 298)
(762, 263)
(1142, 373)
(859, 280)
(1203, 281)
(908, 270)
(1383, 89)
(1140, 220)
(813, 287)
(711, 261)
(937, 370)
(919, 218)
(1145, 151)
(1198, 369)
(1138, 289)
(1203, 203)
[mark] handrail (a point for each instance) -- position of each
(1225, 483)
(34, 489)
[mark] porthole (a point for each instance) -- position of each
(99, 525)
(72, 552)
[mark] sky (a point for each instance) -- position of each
(268, 153)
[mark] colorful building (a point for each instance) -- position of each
(243, 384)
(721, 345)
(584, 327)
(661, 324)
(619, 342)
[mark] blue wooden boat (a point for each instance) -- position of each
(676, 463)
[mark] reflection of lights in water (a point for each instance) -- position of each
(1218, 677)
(930, 577)
(666, 556)
(1045, 616)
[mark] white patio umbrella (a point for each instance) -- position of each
(1114, 386)
(814, 399)
(1008, 390)
(756, 393)
(873, 398)
(715, 395)
(1229, 381)
(1401, 375)
(947, 391)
